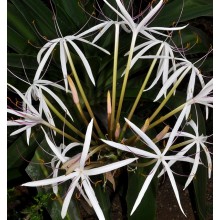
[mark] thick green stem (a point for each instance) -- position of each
(60, 131)
(114, 80)
(82, 91)
(163, 118)
(68, 124)
(127, 70)
(162, 104)
(141, 91)
(173, 147)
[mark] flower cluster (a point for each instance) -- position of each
(108, 146)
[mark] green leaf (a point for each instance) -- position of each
(192, 9)
(19, 149)
(29, 61)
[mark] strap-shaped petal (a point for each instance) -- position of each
(91, 195)
(86, 145)
(144, 137)
(68, 197)
(84, 60)
(109, 167)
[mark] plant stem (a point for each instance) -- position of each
(82, 91)
(127, 70)
(162, 104)
(60, 132)
(141, 91)
(114, 80)
(163, 118)
(56, 112)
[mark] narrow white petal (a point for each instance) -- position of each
(92, 29)
(133, 150)
(126, 14)
(86, 144)
(167, 28)
(145, 186)
(63, 60)
(208, 157)
(54, 148)
(140, 53)
(103, 30)
(149, 15)
(174, 132)
(24, 99)
(127, 18)
(45, 47)
(20, 130)
(173, 183)
(109, 167)
(43, 61)
(144, 137)
(46, 182)
(58, 100)
(94, 45)
(171, 80)
(55, 174)
(91, 195)
(28, 134)
(66, 201)
(194, 168)
(84, 60)
(83, 194)
(70, 146)
(47, 113)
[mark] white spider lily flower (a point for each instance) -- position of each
(203, 97)
(31, 117)
(61, 158)
(142, 27)
(199, 141)
(49, 46)
(158, 155)
(181, 70)
(135, 28)
(164, 55)
(35, 91)
(82, 173)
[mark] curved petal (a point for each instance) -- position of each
(144, 137)
(84, 60)
(133, 150)
(91, 195)
(66, 201)
(173, 183)
(86, 145)
(109, 167)
(54, 148)
(44, 60)
(63, 60)
(145, 186)
(46, 182)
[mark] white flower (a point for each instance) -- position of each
(31, 117)
(203, 97)
(82, 173)
(48, 47)
(158, 155)
(35, 92)
(199, 141)
(181, 70)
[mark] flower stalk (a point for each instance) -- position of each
(82, 90)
